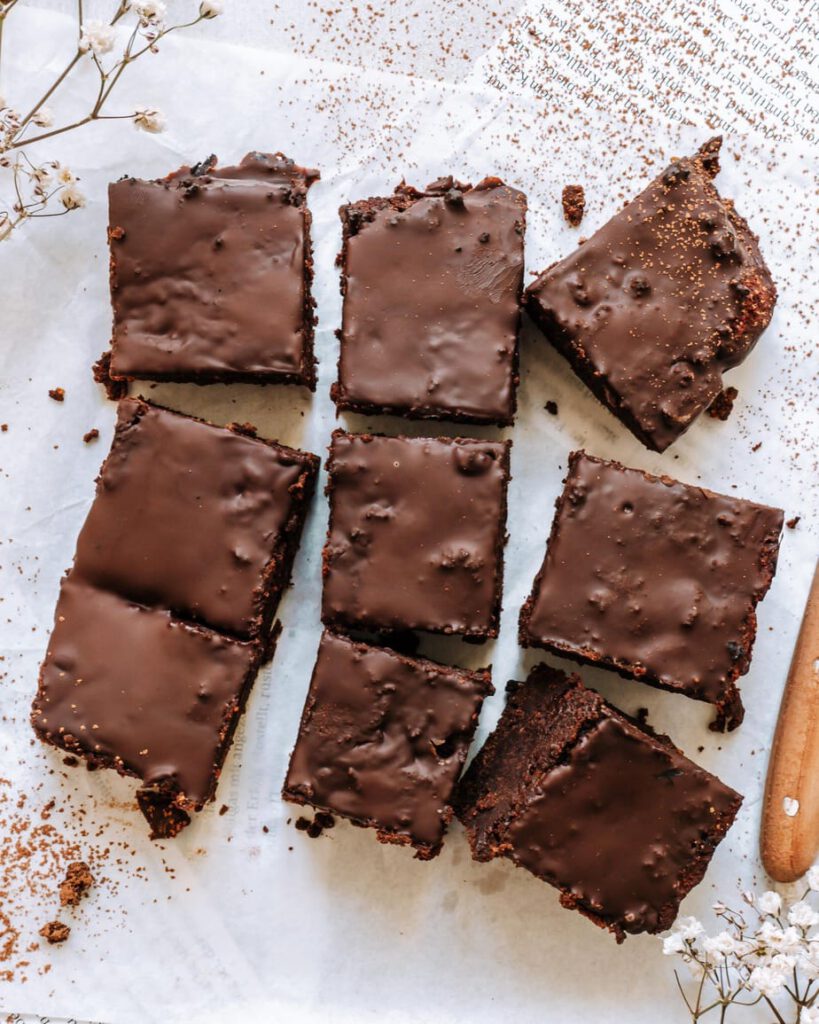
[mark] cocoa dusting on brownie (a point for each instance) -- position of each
(723, 404)
(54, 932)
(58, 394)
(78, 880)
(574, 204)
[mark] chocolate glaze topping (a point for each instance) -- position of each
(594, 803)
(131, 688)
(654, 578)
(432, 284)
(211, 272)
(665, 297)
(383, 738)
(416, 533)
(195, 518)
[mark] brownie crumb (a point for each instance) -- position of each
(642, 716)
(223, 810)
(302, 824)
(4, 427)
(55, 931)
(265, 829)
(574, 204)
(551, 408)
(793, 523)
(114, 389)
(70, 761)
(756, 447)
(325, 820)
(58, 394)
(92, 435)
(314, 828)
(723, 404)
(78, 880)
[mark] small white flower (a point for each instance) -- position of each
(717, 947)
(768, 981)
(673, 944)
(769, 903)
(97, 37)
(150, 12)
(749, 897)
(809, 961)
(689, 927)
(802, 915)
(777, 940)
(813, 878)
(44, 118)
(72, 198)
(149, 120)
(211, 8)
(65, 175)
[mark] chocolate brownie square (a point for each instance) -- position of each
(655, 579)
(137, 690)
(202, 520)
(432, 286)
(416, 537)
(658, 303)
(210, 275)
(383, 738)
(606, 810)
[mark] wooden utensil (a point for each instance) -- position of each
(790, 812)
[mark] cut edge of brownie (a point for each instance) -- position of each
(730, 710)
(480, 678)
(543, 720)
(300, 179)
(165, 807)
(277, 573)
(469, 635)
(756, 291)
(353, 216)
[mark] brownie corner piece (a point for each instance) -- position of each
(660, 301)
(656, 579)
(566, 786)
(383, 738)
(210, 274)
(416, 534)
(170, 724)
(432, 283)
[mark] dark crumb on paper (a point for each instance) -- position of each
(70, 761)
(723, 404)
(223, 809)
(58, 394)
(265, 829)
(78, 880)
(551, 408)
(92, 435)
(756, 447)
(55, 931)
(314, 828)
(4, 427)
(574, 204)
(793, 523)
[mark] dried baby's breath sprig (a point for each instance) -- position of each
(766, 953)
(36, 185)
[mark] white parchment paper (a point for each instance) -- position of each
(234, 923)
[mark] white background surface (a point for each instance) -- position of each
(227, 923)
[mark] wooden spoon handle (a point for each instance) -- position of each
(790, 812)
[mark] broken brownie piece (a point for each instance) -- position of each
(167, 612)
(416, 536)
(432, 284)
(655, 579)
(382, 740)
(587, 799)
(210, 275)
(655, 306)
